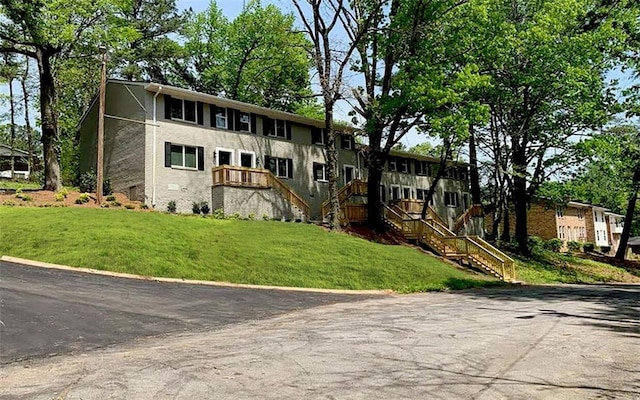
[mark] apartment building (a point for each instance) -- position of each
(164, 143)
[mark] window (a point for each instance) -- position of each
(346, 142)
(406, 193)
(183, 110)
(319, 172)
(393, 166)
(187, 157)
(422, 168)
(348, 172)
(395, 192)
(219, 117)
(451, 199)
(561, 232)
(403, 165)
(317, 135)
(580, 213)
(244, 121)
(421, 194)
(598, 235)
(559, 212)
(281, 167)
(280, 128)
(465, 200)
(463, 174)
(450, 173)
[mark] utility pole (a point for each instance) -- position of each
(101, 107)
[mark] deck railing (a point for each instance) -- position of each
(229, 175)
(355, 187)
(462, 220)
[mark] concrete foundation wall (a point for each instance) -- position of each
(262, 203)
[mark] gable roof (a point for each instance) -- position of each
(5, 150)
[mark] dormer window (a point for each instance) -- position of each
(184, 110)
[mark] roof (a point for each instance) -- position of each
(612, 214)
(15, 151)
(634, 241)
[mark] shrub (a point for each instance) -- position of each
(8, 203)
(534, 242)
(104, 205)
(144, 207)
(18, 193)
(218, 213)
(130, 206)
(195, 207)
(171, 206)
(204, 208)
(115, 203)
(554, 245)
(64, 192)
(59, 197)
(87, 183)
(251, 216)
(26, 197)
(605, 249)
(588, 247)
(574, 246)
(235, 215)
(111, 198)
(265, 217)
(83, 198)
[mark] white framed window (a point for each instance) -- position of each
(224, 156)
(244, 121)
(451, 199)
(403, 165)
(346, 142)
(422, 168)
(320, 172)
(395, 192)
(184, 156)
(183, 110)
(247, 158)
(219, 117)
(349, 173)
(561, 232)
(280, 167)
(393, 164)
(560, 212)
(317, 136)
(580, 213)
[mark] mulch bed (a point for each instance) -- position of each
(46, 198)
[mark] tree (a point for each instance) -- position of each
(547, 87)
(47, 32)
(9, 72)
(320, 19)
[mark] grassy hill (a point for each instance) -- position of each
(253, 252)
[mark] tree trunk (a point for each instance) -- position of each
(374, 202)
(444, 156)
(50, 138)
(628, 219)
(474, 176)
(520, 203)
(12, 143)
(332, 169)
(505, 235)
(25, 96)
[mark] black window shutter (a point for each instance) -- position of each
(315, 135)
(383, 193)
(267, 125)
(267, 161)
(200, 112)
(288, 129)
(409, 163)
(254, 123)
(236, 123)
(213, 110)
(167, 154)
(231, 119)
(167, 106)
(200, 158)
(353, 142)
(290, 167)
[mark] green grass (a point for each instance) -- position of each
(14, 185)
(549, 267)
(253, 252)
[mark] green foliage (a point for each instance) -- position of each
(589, 247)
(535, 242)
(130, 206)
(111, 198)
(171, 206)
(144, 207)
(59, 197)
(218, 213)
(251, 216)
(195, 207)
(265, 217)
(234, 216)
(574, 246)
(204, 208)
(115, 203)
(83, 198)
(554, 245)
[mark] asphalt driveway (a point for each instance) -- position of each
(555, 342)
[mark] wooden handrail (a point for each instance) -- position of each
(436, 217)
(355, 187)
(463, 219)
(231, 175)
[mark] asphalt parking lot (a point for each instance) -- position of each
(553, 342)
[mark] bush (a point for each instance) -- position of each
(171, 206)
(589, 247)
(115, 203)
(83, 198)
(144, 207)
(534, 242)
(64, 192)
(218, 213)
(204, 208)
(605, 249)
(554, 245)
(87, 183)
(251, 216)
(130, 206)
(265, 217)
(574, 247)
(195, 207)
(235, 215)
(59, 197)
(111, 198)
(26, 197)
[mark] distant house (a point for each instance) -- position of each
(633, 248)
(20, 159)
(574, 221)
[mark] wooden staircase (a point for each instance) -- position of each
(470, 249)
(349, 213)
(461, 221)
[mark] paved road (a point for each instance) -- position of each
(569, 342)
(46, 312)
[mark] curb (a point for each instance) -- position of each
(40, 264)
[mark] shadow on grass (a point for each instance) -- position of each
(610, 307)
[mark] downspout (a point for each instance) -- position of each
(155, 149)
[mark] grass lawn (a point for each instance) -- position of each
(548, 267)
(254, 252)
(14, 185)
